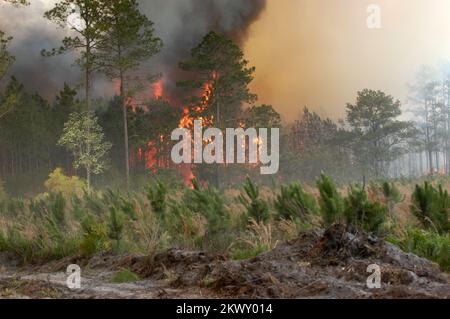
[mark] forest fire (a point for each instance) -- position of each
(149, 154)
(152, 155)
(187, 121)
(158, 89)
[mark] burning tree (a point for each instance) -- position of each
(219, 68)
(150, 130)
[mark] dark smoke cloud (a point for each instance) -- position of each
(32, 33)
(181, 25)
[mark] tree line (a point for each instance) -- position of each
(89, 136)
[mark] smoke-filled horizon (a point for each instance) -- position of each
(319, 53)
(180, 24)
(315, 53)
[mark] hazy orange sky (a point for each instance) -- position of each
(320, 52)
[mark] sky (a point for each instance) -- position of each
(319, 53)
(315, 53)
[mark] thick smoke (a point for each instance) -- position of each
(181, 25)
(32, 33)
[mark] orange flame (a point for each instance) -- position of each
(158, 90)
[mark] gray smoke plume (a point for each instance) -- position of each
(180, 23)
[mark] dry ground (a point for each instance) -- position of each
(318, 264)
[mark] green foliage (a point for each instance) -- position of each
(12, 207)
(392, 196)
(47, 242)
(120, 203)
(16, 244)
(391, 193)
(209, 203)
(331, 203)
(431, 207)
(86, 33)
(157, 196)
(426, 244)
(263, 116)
(379, 135)
(84, 138)
(363, 213)
(50, 206)
(93, 202)
(256, 207)
(116, 225)
(293, 202)
(248, 252)
(124, 276)
(128, 40)
(60, 183)
(186, 226)
(95, 236)
(46, 228)
(3, 195)
(6, 59)
(219, 61)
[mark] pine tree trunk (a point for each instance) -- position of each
(218, 181)
(125, 131)
(88, 178)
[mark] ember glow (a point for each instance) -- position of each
(158, 89)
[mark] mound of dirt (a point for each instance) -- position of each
(318, 264)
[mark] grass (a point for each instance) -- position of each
(426, 244)
(125, 276)
(240, 223)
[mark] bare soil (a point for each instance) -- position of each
(319, 264)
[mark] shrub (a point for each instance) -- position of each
(57, 182)
(247, 252)
(115, 226)
(120, 203)
(209, 203)
(95, 236)
(94, 203)
(3, 195)
(391, 193)
(78, 211)
(157, 196)
(330, 202)
(426, 244)
(256, 208)
(362, 213)
(13, 207)
(293, 202)
(259, 239)
(124, 276)
(41, 241)
(392, 196)
(15, 243)
(431, 207)
(150, 235)
(186, 226)
(52, 205)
